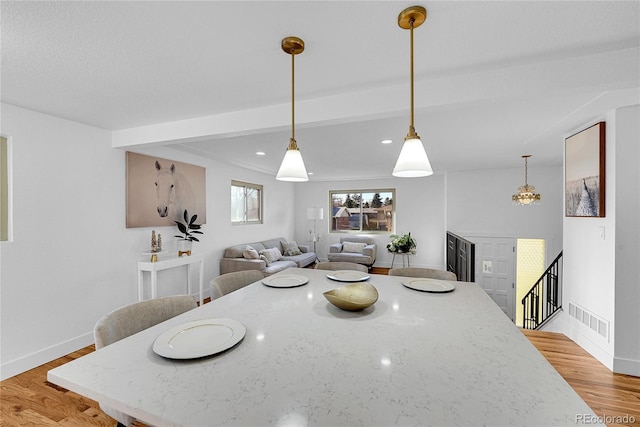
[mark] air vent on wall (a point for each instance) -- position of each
(590, 320)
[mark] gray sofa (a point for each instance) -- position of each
(367, 256)
(233, 259)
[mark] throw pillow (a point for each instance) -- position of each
(290, 249)
(250, 253)
(272, 254)
(353, 247)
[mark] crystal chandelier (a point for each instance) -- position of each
(526, 194)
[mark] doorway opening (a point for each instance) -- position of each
(530, 264)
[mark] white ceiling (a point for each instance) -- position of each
(494, 80)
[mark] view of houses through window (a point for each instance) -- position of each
(362, 210)
(246, 203)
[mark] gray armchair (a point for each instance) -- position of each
(346, 251)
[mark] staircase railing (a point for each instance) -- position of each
(545, 297)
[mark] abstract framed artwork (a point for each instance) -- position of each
(159, 190)
(584, 188)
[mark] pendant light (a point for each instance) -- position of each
(526, 194)
(413, 161)
(292, 167)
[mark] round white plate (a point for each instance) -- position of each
(199, 338)
(429, 285)
(285, 281)
(348, 276)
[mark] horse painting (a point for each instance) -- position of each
(174, 193)
(159, 190)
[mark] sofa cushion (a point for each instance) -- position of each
(250, 253)
(237, 251)
(271, 254)
(303, 259)
(290, 249)
(353, 247)
(277, 266)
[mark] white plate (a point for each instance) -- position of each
(348, 276)
(285, 281)
(199, 338)
(429, 285)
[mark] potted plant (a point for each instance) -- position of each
(188, 229)
(401, 244)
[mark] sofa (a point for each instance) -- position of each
(358, 249)
(239, 257)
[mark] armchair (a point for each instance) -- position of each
(358, 249)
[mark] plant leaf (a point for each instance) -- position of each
(186, 216)
(194, 239)
(193, 219)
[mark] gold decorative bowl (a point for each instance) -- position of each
(354, 297)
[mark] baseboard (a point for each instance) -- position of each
(589, 346)
(626, 366)
(33, 360)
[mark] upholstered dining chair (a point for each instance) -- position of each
(423, 272)
(229, 282)
(132, 319)
(340, 265)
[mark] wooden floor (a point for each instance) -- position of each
(29, 399)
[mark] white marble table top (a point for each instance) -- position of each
(413, 358)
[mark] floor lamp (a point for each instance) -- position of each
(315, 214)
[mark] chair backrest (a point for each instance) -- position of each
(423, 272)
(357, 239)
(139, 316)
(229, 282)
(337, 265)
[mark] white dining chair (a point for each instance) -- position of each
(229, 282)
(340, 265)
(131, 319)
(429, 273)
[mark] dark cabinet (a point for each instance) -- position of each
(461, 257)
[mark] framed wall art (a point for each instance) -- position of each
(584, 187)
(159, 190)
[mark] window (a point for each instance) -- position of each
(362, 210)
(246, 203)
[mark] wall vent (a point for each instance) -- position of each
(590, 320)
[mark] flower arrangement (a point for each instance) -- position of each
(401, 244)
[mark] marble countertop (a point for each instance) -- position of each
(413, 358)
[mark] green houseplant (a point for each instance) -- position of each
(401, 244)
(188, 229)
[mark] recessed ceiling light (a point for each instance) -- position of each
(309, 173)
(260, 153)
(387, 141)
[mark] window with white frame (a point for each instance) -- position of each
(246, 203)
(370, 211)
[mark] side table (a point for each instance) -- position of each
(404, 255)
(154, 267)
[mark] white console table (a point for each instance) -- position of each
(154, 267)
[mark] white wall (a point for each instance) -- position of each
(601, 273)
(420, 209)
(479, 204)
(72, 259)
(627, 243)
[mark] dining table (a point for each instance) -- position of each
(447, 357)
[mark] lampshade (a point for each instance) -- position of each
(413, 161)
(526, 194)
(315, 213)
(292, 167)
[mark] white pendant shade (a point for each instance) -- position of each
(413, 161)
(292, 167)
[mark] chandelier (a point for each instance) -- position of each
(526, 194)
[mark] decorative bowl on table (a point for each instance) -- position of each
(354, 297)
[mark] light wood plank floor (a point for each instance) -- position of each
(29, 399)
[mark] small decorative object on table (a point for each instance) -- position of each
(401, 244)
(156, 246)
(188, 229)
